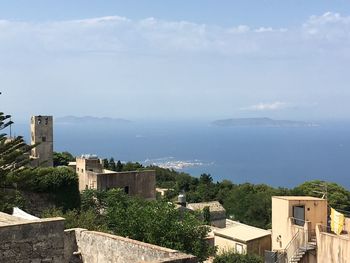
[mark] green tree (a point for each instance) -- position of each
(250, 204)
(206, 215)
(119, 166)
(87, 219)
(61, 183)
(155, 222)
(338, 197)
(14, 155)
(62, 158)
(111, 165)
(130, 166)
(105, 163)
(13, 151)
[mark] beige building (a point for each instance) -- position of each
(216, 210)
(242, 238)
(42, 134)
(92, 176)
(300, 232)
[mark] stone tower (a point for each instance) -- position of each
(42, 132)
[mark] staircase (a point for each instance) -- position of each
(302, 250)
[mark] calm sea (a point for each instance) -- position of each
(275, 156)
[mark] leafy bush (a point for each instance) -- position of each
(88, 219)
(60, 182)
(62, 158)
(232, 257)
(155, 222)
(10, 199)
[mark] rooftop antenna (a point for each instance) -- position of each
(324, 190)
(10, 128)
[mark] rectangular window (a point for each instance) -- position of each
(299, 215)
(43, 139)
(239, 248)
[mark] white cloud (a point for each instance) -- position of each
(277, 105)
(330, 27)
(150, 35)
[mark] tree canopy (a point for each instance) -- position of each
(232, 257)
(156, 222)
(14, 152)
(62, 158)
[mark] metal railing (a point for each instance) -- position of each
(299, 240)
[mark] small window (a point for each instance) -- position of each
(46, 120)
(77, 169)
(126, 189)
(39, 121)
(91, 170)
(43, 139)
(82, 170)
(239, 248)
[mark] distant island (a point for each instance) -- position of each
(261, 122)
(90, 120)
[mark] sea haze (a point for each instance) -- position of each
(278, 156)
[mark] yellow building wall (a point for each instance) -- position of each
(280, 225)
(332, 248)
(282, 209)
(225, 244)
(258, 246)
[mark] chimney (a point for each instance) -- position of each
(181, 199)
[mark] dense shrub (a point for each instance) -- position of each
(232, 257)
(61, 183)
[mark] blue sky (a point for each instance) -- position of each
(176, 59)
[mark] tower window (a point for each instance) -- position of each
(43, 139)
(39, 121)
(46, 120)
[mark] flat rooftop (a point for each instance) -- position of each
(301, 198)
(214, 206)
(241, 232)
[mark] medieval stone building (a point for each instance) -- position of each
(92, 175)
(42, 134)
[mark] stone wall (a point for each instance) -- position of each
(33, 241)
(46, 241)
(98, 247)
